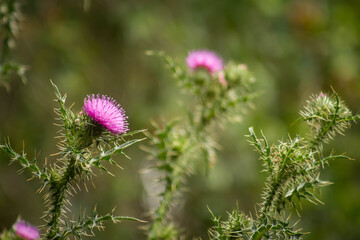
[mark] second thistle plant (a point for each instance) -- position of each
(219, 93)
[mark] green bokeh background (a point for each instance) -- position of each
(294, 49)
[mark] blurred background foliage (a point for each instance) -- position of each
(294, 48)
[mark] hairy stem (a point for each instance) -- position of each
(175, 176)
(280, 178)
(160, 214)
(59, 188)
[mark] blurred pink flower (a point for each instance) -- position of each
(26, 231)
(205, 59)
(105, 111)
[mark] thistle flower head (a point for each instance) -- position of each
(26, 231)
(205, 59)
(106, 112)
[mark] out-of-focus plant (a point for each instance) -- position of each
(88, 140)
(179, 145)
(9, 19)
(293, 174)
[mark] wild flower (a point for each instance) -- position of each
(82, 147)
(26, 231)
(106, 112)
(204, 59)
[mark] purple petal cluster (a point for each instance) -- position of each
(204, 59)
(26, 231)
(105, 111)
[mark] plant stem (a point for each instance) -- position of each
(174, 178)
(58, 189)
(160, 215)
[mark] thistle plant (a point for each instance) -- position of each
(219, 93)
(88, 139)
(9, 18)
(293, 173)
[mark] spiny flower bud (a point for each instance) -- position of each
(326, 115)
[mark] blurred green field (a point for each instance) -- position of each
(294, 49)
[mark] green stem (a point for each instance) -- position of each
(58, 189)
(279, 180)
(174, 178)
(160, 214)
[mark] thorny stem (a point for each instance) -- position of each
(280, 178)
(160, 214)
(59, 190)
(173, 183)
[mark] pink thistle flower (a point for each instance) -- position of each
(205, 59)
(105, 111)
(26, 231)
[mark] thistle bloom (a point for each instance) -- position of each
(26, 231)
(105, 111)
(205, 59)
